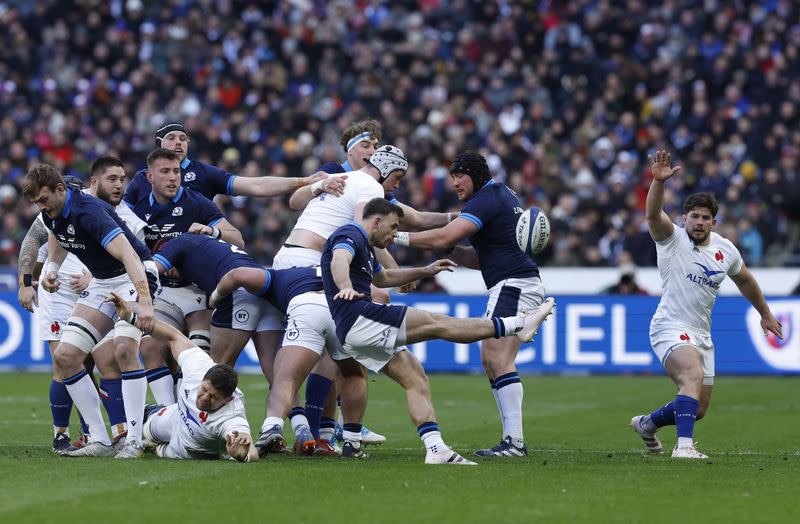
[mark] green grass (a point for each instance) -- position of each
(585, 463)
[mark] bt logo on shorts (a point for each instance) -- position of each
(292, 332)
(242, 315)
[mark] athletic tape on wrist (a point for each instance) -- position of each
(401, 238)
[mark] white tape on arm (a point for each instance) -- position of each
(401, 238)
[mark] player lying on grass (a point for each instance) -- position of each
(209, 419)
(693, 262)
(374, 334)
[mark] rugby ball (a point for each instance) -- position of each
(533, 231)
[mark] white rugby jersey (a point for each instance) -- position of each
(200, 434)
(326, 213)
(691, 276)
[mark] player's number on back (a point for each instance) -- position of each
(235, 249)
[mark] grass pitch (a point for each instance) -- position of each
(585, 463)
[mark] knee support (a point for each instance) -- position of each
(201, 339)
(123, 329)
(81, 334)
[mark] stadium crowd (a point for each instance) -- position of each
(566, 100)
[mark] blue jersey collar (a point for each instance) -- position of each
(185, 163)
(347, 167)
(175, 199)
(363, 231)
(487, 184)
(67, 204)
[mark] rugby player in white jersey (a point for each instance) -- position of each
(209, 420)
(693, 262)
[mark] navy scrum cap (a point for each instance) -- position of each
(167, 128)
(473, 165)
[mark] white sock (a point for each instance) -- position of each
(86, 399)
(134, 393)
(163, 390)
(512, 325)
(510, 399)
(57, 430)
(326, 433)
(352, 436)
(340, 418)
(646, 424)
(683, 442)
(298, 421)
(272, 421)
(433, 438)
(500, 410)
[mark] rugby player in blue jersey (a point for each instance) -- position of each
(488, 220)
(169, 210)
(374, 334)
(90, 229)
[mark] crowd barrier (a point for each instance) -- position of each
(587, 334)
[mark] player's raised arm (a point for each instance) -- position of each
(424, 220)
(658, 222)
(400, 276)
(333, 185)
(439, 238)
(750, 290)
(177, 341)
(270, 186)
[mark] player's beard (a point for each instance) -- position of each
(700, 241)
(102, 194)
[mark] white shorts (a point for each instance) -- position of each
(514, 296)
(54, 310)
(173, 304)
(665, 337)
(287, 257)
(309, 324)
(158, 429)
(247, 312)
(372, 344)
(96, 295)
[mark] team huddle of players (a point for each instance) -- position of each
(155, 287)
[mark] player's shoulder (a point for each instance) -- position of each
(331, 168)
(196, 165)
(720, 242)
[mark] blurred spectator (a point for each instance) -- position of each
(627, 283)
(566, 100)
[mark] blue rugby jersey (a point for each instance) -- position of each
(86, 226)
(495, 208)
(353, 238)
(174, 218)
(204, 261)
(206, 179)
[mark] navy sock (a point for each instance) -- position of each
(157, 373)
(327, 423)
(664, 416)
(60, 404)
(499, 327)
(685, 415)
(427, 427)
(111, 395)
(84, 425)
(317, 390)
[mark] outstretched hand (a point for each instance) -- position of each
(440, 265)
(238, 445)
(661, 166)
(123, 308)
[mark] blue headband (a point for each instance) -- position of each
(356, 139)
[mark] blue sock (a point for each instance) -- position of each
(685, 415)
(60, 404)
(111, 395)
(664, 416)
(317, 390)
(427, 427)
(84, 425)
